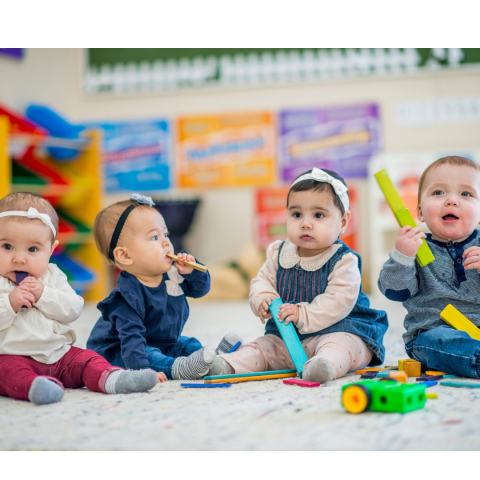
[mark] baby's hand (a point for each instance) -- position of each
(35, 286)
(409, 240)
(472, 258)
(21, 296)
(181, 267)
(263, 308)
(161, 377)
(289, 313)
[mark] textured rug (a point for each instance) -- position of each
(262, 415)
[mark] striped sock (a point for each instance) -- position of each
(194, 366)
(228, 341)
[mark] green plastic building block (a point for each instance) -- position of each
(377, 396)
(402, 214)
(290, 338)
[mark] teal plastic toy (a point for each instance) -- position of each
(376, 396)
(290, 337)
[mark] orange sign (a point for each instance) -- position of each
(225, 150)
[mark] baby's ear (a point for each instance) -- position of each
(54, 246)
(122, 257)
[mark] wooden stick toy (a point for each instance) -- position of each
(196, 266)
(451, 316)
(253, 379)
(252, 374)
(402, 214)
(290, 337)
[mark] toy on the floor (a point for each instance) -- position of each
(431, 395)
(452, 383)
(412, 368)
(402, 214)
(290, 337)
(301, 383)
(369, 375)
(430, 383)
(365, 370)
(196, 266)
(203, 385)
(399, 376)
(387, 396)
(250, 377)
(432, 372)
(429, 378)
(455, 319)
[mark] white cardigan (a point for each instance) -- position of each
(43, 332)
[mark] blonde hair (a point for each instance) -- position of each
(452, 160)
(22, 201)
(105, 223)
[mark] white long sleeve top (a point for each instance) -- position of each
(326, 309)
(44, 332)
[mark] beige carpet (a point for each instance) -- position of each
(265, 415)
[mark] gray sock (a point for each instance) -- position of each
(228, 341)
(194, 366)
(44, 391)
(131, 381)
(318, 370)
(220, 367)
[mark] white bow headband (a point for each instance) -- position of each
(32, 213)
(320, 176)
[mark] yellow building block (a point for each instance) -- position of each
(432, 372)
(455, 319)
(402, 214)
(412, 368)
(400, 364)
(399, 376)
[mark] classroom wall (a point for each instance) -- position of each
(224, 223)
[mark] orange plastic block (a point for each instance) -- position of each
(412, 369)
(373, 369)
(399, 376)
(432, 372)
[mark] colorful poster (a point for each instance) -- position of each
(136, 155)
(225, 150)
(271, 217)
(341, 139)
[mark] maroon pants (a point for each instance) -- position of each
(77, 368)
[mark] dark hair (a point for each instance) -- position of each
(305, 185)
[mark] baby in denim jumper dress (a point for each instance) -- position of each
(449, 203)
(318, 278)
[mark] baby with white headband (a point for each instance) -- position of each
(37, 305)
(318, 277)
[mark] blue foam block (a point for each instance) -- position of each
(429, 383)
(290, 337)
(451, 383)
(205, 385)
(382, 374)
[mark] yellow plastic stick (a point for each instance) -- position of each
(402, 214)
(455, 319)
(252, 379)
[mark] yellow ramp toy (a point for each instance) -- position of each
(455, 319)
(402, 214)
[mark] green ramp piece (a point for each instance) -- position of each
(255, 374)
(402, 214)
(290, 338)
(393, 396)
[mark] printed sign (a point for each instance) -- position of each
(341, 139)
(136, 155)
(225, 150)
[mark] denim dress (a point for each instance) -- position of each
(296, 285)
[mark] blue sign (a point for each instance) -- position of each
(137, 155)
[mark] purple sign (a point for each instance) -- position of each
(12, 52)
(341, 139)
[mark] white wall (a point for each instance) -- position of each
(225, 220)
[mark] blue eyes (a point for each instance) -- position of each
(33, 249)
(466, 194)
(463, 194)
(7, 246)
(155, 237)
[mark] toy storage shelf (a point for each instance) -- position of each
(75, 190)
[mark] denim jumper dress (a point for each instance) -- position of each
(296, 285)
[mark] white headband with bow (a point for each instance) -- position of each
(320, 176)
(32, 213)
